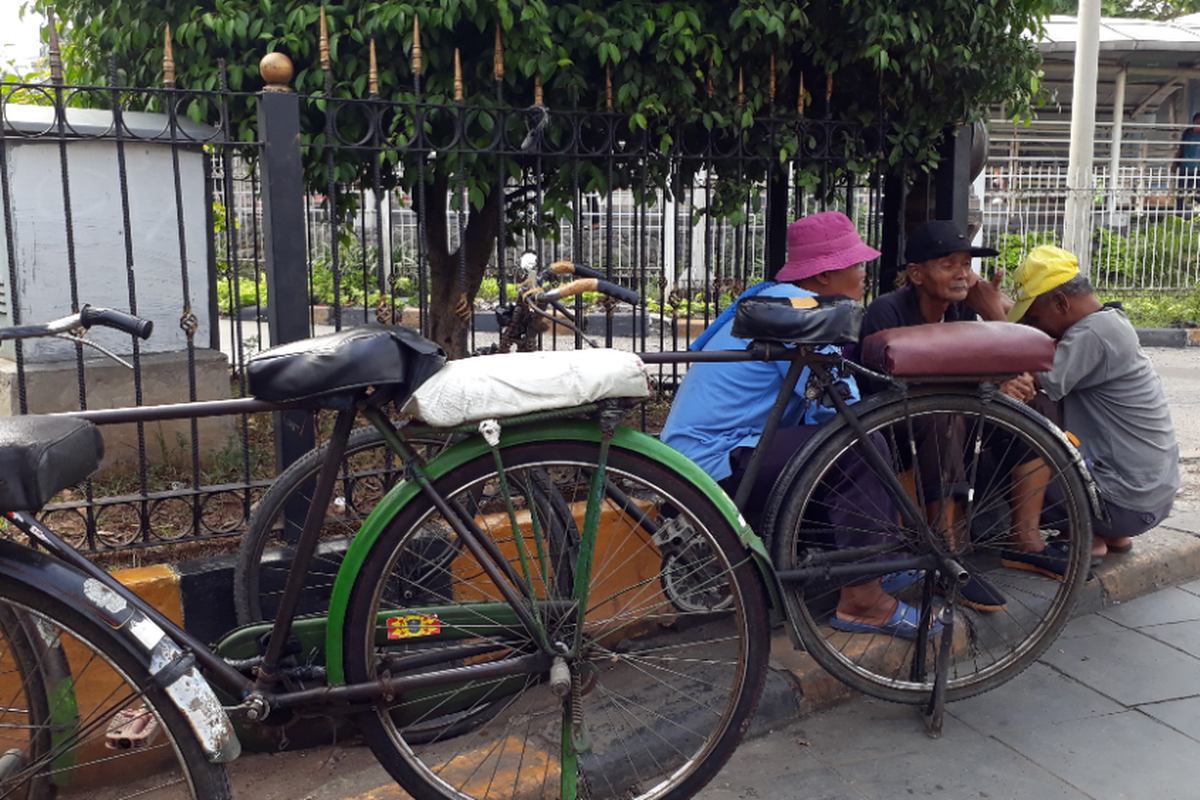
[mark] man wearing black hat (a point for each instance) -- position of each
(941, 287)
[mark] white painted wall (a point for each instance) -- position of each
(40, 239)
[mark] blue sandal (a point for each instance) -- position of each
(904, 623)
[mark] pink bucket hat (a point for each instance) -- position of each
(821, 243)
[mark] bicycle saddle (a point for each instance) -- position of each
(508, 384)
(41, 456)
(831, 319)
(959, 349)
(334, 370)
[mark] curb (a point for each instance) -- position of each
(1169, 337)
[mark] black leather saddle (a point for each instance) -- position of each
(41, 456)
(336, 370)
(832, 319)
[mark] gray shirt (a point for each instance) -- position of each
(1113, 402)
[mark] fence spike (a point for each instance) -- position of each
(168, 60)
(373, 73)
(325, 65)
(771, 82)
(458, 79)
(741, 89)
(56, 65)
(537, 91)
(608, 94)
(800, 97)
(416, 48)
(710, 76)
(498, 57)
(828, 94)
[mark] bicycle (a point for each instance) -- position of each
(996, 646)
(546, 627)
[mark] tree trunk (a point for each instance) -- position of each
(449, 288)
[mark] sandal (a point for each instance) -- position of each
(905, 623)
(895, 581)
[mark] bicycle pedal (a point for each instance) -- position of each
(131, 729)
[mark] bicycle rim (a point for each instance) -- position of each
(661, 691)
(77, 721)
(970, 450)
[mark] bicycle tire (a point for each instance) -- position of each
(988, 647)
(664, 695)
(368, 470)
(77, 710)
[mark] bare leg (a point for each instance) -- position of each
(1028, 495)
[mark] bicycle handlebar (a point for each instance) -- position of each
(86, 317)
(599, 284)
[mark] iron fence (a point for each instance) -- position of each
(117, 196)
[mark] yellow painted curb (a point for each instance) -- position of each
(158, 585)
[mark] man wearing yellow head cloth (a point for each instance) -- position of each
(1111, 397)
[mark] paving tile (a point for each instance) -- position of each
(1183, 521)
(1089, 625)
(1124, 756)
(1183, 635)
(1129, 667)
(1038, 696)
(1191, 586)
(1182, 715)
(1168, 605)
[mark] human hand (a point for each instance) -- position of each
(985, 298)
(1021, 388)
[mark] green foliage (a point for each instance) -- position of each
(1159, 311)
(1013, 247)
(915, 65)
(249, 294)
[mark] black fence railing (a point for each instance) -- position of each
(350, 212)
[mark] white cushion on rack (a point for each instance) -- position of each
(509, 384)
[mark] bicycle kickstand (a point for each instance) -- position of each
(934, 713)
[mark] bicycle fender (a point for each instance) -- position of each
(474, 447)
(140, 636)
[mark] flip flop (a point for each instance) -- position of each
(895, 581)
(905, 623)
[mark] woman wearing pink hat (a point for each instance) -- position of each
(720, 411)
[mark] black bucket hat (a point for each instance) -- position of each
(940, 237)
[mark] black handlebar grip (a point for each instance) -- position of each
(111, 318)
(587, 272)
(619, 292)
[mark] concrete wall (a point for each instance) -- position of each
(40, 239)
(54, 387)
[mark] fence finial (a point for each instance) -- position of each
(828, 95)
(608, 94)
(498, 57)
(800, 96)
(741, 89)
(416, 48)
(276, 69)
(458, 80)
(56, 65)
(771, 82)
(373, 73)
(325, 64)
(168, 61)
(709, 82)
(537, 91)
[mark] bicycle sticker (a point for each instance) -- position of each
(413, 625)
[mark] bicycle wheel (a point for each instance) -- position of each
(962, 460)
(81, 717)
(660, 695)
(368, 471)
